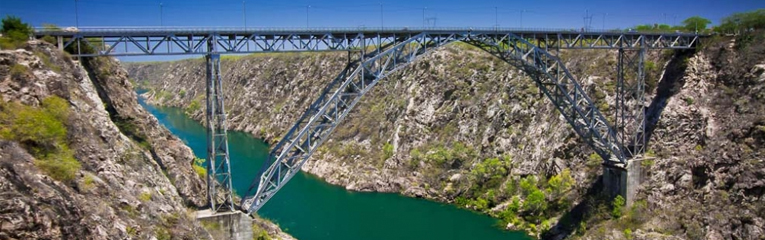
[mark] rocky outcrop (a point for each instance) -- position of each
(433, 129)
(134, 179)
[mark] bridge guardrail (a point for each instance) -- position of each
(143, 29)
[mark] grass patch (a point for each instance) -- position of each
(387, 151)
(131, 130)
(199, 167)
(594, 160)
(46, 61)
(88, 182)
(18, 71)
(42, 131)
(258, 233)
(61, 165)
(162, 233)
(194, 105)
(144, 196)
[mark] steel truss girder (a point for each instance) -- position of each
(219, 191)
(630, 101)
(130, 42)
(332, 106)
(557, 83)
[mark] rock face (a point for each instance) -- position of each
(459, 124)
(136, 179)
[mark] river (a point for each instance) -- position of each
(309, 208)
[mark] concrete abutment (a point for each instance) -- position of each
(226, 225)
(619, 179)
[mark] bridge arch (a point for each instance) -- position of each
(344, 92)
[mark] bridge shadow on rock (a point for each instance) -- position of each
(671, 83)
(595, 201)
(593, 198)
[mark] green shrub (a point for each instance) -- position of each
(199, 167)
(18, 71)
(528, 185)
(647, 163)
(87, 182)
(594, 160)
(49, 39)
(60, 165)
(560, 183)
(131, 130)
(194, 105)
(510, 213)
(480, 204)
(259, 233)
(582, 228)
(618, 207)
(15, 33)
(42, 132)
(131, 231)
(490, 168)
(144, 196)
(688, 100)
(442, 156)
(628, 234)
(387, 151)
(535, 202)
(46, 61)
(162, 233)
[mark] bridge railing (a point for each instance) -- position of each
(192, 29)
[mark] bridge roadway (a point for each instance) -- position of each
(189, 41)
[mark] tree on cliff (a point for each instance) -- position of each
(695, 24)
(745, 21)
(15, 32)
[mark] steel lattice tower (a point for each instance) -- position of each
(218, 166)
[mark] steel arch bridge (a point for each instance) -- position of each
(380, 53)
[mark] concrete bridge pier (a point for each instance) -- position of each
(619, 179)
(234, 225)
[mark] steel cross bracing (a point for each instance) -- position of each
(630, 101)
(329, 110)
(560, 87)
(169, 41)
(344, 92)
(218, 167)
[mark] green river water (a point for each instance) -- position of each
(309, 208)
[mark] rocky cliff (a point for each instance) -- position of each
(80, 159)
(461, 126)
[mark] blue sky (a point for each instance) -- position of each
(346, 13)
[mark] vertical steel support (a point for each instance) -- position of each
(218, 166)
(60, 43)
(630, 101)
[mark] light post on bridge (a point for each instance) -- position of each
(423, 16)
(496, 19)
(244, 14)
(160, 15)
(382, 23)
(76, 15)
(306, 16)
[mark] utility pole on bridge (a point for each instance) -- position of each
(160, 15)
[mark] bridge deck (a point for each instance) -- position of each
(183, 41)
